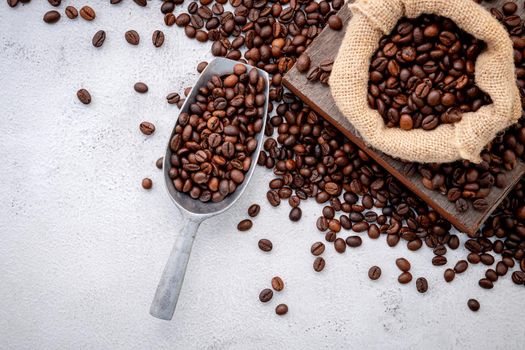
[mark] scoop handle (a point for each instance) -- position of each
(170, 284)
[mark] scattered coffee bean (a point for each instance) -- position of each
(404, 278)
(461, 266)
(335, 22)
(99, 38)
(265, 245)
(295, 214)
(147, 128)
(87, 13)
(449, 275)
(421, 285)
(254, 210)
(473, 304)
(173, 98)
(142, 3)
(147, 183)
(71, 12)
(140, 87)
(281, 309)
(265, 295)
(157, 38)
(354, 241)
(340, 245)
(518, 277)
(374, 273)
(303, 63)
(54, 3)
(317, 248)
(245, 225)
(84, 96)
(132, 37)
(486, 283)
(403, 264)
(52, 17)
(277, 283)
(201, 66)
(319, 264)
(159, 162)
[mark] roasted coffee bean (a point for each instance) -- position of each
(473, 305)
(439, 260)
(354, 241)
(486, 283)
(265, 295)
(201, 66)
(99, 38)
(421, 285)
(245, 225)
(404, 278)
(54, 3)
(340, 245)
(265, 244)
(374, 273)
(317, 248)
(140, 87)
(303, 63)
(461, 266)
(319, 264)
(518, 277)
(87, 13)
(132, 37)
(71, 12)
(147, 183)
(142, 3)
(52, 17)
(157, 38)
(403, 264)
(84, 96)
(449, 275)
(254, 210)
(335, 22)
(277, 283)
(295, 214)
(12, 3)
(281, 309)
(147, 128)
(159, 163)
(173, 98)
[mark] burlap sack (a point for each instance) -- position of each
(448, 142)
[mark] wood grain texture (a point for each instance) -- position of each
(319, 98)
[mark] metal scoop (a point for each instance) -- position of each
(193, 210)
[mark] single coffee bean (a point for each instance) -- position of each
(317, 248)
(486, 283)
(403, 264)
(87, 13)
(277, 283)
(173, 98)
(84, 96)
(518, 277)
(473, 305)
(159, 162)
(461, 266)
(71, 12)
(140, 87)
(319, 264)
(439, 260)
(147, 183)
(51, 17)
(147, 128)
(421, 285)
(54, 3)
(265, 245)
(12, 3)
(404, 278)
(281, 309)
(374, 273)
(157, 38)
(303, 63)
(295, 214)
(449, 275)
(340, 245)
(99, 38)
(354, 241)
(265, 295)
(245, 225)
(335, 22)
(254, 210)
(132, 37)
(142, 3)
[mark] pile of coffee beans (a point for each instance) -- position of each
(215, 138)
(422, 74)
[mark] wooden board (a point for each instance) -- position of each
(319, 98)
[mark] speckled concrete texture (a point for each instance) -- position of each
(82, 245)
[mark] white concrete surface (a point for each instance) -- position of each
(82, 246)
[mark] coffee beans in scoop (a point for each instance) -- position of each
(214, 140)
(422, 74)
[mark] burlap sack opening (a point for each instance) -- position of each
(448, 142)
